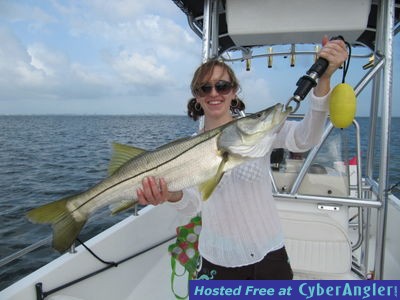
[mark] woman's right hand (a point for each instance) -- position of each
(155, 191)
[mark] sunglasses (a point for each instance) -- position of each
(222, 87)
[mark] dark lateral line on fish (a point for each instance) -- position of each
(110, 187)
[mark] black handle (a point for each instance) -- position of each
(319, 67)
(307, 82)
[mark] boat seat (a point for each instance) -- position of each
(317, 245)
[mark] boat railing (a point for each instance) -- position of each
(247, 53)
(13, 257)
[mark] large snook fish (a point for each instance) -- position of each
(197, 161)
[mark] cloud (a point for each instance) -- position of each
(125, 10)
(49, 61)
(18, 12)
(97, 50)
(138, 69)
(17, 72)
(143, 33)
(37, 72)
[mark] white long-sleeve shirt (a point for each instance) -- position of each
(240, 222)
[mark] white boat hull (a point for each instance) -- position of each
(133, 279)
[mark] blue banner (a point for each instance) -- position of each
(294, 289)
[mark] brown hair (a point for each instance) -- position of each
(200, 77)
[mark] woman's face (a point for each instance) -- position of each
(217, 104)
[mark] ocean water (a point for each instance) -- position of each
(44, 158)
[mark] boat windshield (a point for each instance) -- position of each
(329, 170)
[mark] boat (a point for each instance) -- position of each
(339, 214)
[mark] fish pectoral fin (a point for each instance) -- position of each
(65, 227)
(121, 206)
(121, 154)
(207, 188)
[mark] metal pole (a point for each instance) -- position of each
(309, 160)
(388, 7)
(356, 202)
(375, 94)
(369, 76)
(370, 158)
(210, 29)
(214, 28)
(206, 30)
(24, 251)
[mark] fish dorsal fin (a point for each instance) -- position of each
(121, 154)
(208, 187)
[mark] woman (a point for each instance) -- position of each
(241, 234)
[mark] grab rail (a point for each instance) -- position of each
(8, 259)
(26, 250)
(41, 294)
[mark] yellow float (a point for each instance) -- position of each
(342, 105)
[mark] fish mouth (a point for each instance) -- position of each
(275, 115)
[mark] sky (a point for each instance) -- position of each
(126, 57)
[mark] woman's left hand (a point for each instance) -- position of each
(335, 52)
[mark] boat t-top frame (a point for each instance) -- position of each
(230, 30)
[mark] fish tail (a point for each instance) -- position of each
(66, 226)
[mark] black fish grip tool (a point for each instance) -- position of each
(308, 81)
